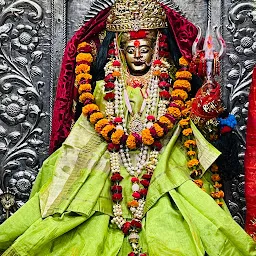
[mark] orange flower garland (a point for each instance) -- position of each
(89, 108)
(101, 124)
(217, 194)
(183, 75)
(181, 88)
(106, 130)
(179, 94)
(159, 130)
(166, 121)
(86, 96)
(116, 136)
(82, 68)
(84, 88)
(174, 111)
(95, 117)
(147, 138)
(184, 84)
(84, 57)
(131, 142)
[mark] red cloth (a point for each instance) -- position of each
(184, 33)
(250, 162)
(66, 92)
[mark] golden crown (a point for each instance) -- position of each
(133, 15)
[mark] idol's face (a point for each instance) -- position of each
(138, 54)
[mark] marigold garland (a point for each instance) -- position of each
(183, 75)
(131, 142)
(183, 62)
(180, 94)
(89, 108)
(166, 121)
(189, 143)
(106, 130)
(82, 45)
(147, 138)
(82, 68)
(86, 96)
(179, 103)
(174, 111)
(159, 130)
(95, 117)
(184, 84)
(193, 162)
(84, 88)
(187, 132)
(116, 136)
(83, 76)
(84, 57)
(199, 183)
(191, 153)
(101, 124)
(184, 122)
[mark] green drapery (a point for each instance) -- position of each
(72, 193)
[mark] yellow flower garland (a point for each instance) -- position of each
(174, 112)
(166, 121)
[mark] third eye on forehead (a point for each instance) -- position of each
(142, 48)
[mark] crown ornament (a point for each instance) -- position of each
(134, 15)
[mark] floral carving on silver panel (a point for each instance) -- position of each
(242, 21)
(21, 104)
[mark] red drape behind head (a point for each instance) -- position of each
(184, 32)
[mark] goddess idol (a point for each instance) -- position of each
(135, 176)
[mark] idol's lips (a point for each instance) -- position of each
(138, 63)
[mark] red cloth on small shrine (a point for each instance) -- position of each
(250, 162)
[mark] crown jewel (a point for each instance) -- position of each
(134, 15)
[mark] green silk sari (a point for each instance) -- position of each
(70, 207)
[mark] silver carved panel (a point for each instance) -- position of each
(240, 35)
(25, 50)
(33, 35)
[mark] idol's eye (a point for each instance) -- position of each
(144, 49)
(130, 50)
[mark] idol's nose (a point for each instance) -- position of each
(137, 53)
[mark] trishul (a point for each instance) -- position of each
(206, 61)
